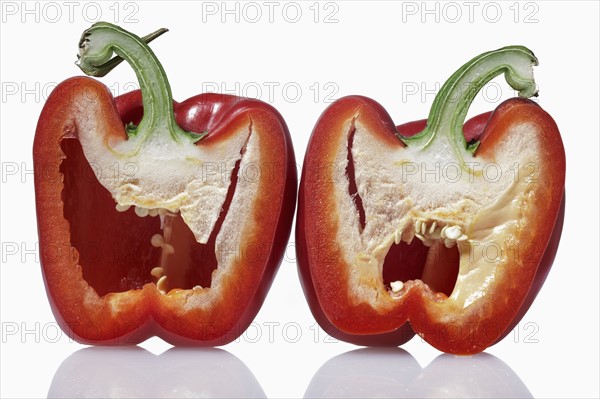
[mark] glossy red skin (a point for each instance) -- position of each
(486, 127)
(144, 312)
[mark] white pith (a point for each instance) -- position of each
(179, 178)
(472, 212)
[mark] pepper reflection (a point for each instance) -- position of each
(394, 373)
(134, 372)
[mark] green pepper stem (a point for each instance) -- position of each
(96, 47)
(450, 107)
(104, 69)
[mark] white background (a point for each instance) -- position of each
(395, 53)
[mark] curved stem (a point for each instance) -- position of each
(95, 51)
(104, 69)
(450, 107)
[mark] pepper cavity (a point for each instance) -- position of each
(174, 243)
(437, 246)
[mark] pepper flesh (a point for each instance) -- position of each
(359, 204)
(98, 262)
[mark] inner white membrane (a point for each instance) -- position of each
(162, 178)
(409, 194)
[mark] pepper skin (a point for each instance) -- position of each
(406, 228)
(157, 217)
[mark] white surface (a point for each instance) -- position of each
(382, 50)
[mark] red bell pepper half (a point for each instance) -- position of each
(157, 217)
(438, 227)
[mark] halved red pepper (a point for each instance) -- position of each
(157, 217)
(436, 227)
